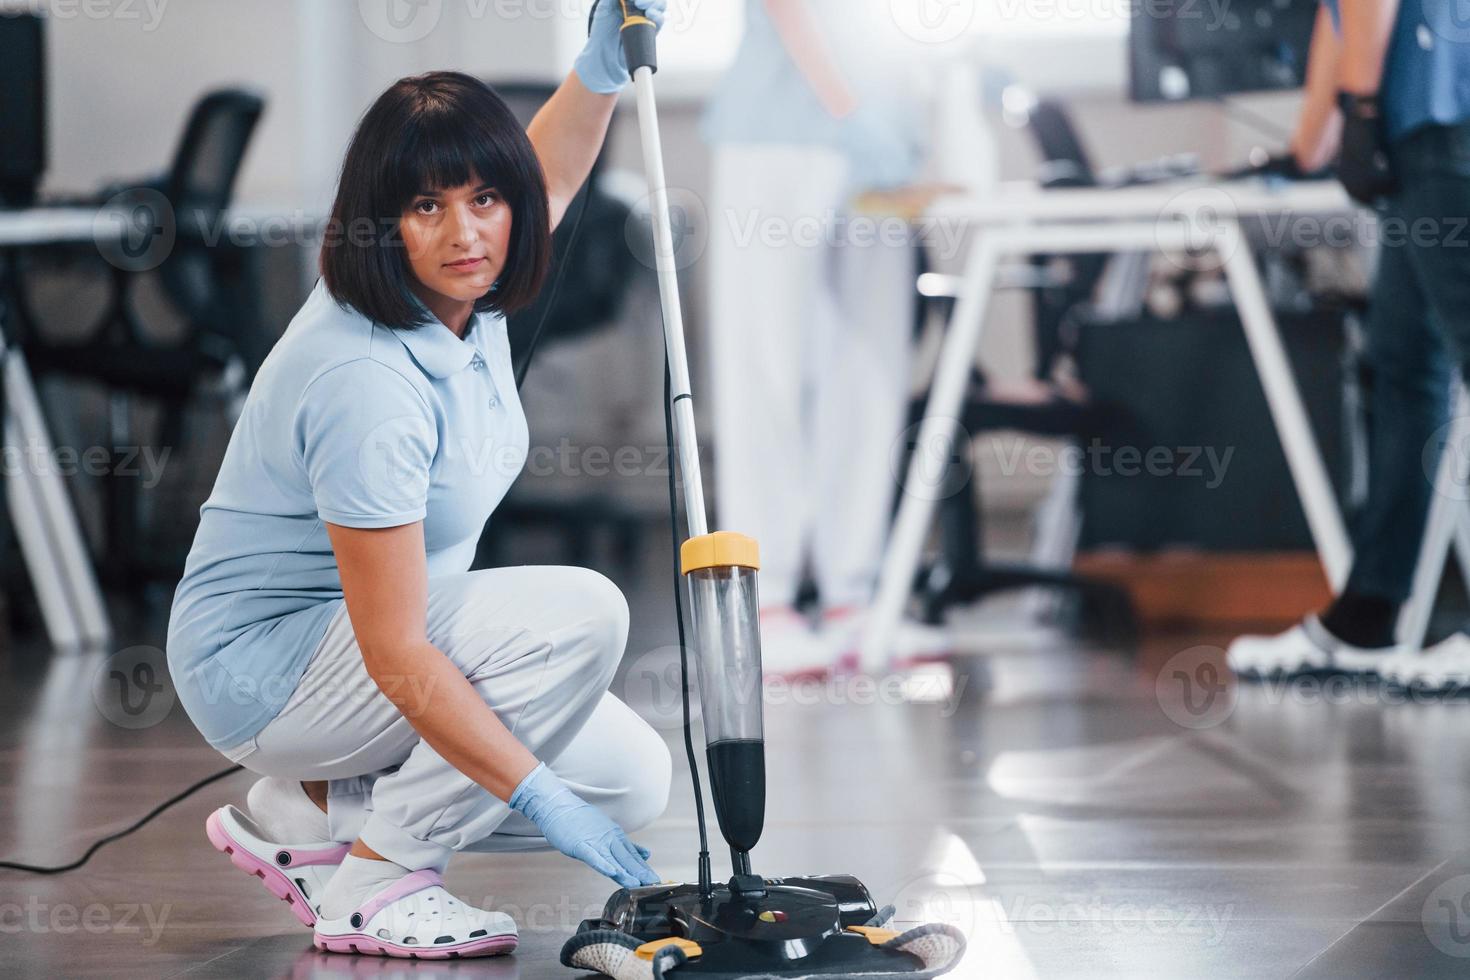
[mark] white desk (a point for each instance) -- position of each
(246, 223)
(45, 226)
(45, 524)
(1024, 220)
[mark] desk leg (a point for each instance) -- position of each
(1462, 539)
(1302, 456)
(1445, 526)
(45, 523)
(27, 517)
(935, 442)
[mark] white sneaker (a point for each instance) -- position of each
(1304, 648)
(1443, 667)
(789, 648)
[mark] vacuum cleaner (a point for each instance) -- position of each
(749, 926)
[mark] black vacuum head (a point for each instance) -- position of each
(753, 927)
(785, 914)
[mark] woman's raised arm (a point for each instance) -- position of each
(568, 133)
(569, 130)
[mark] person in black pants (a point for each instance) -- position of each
(1388, 88)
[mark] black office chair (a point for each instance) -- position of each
(203, 277)
(1060, 287)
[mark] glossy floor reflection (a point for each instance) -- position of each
(1076, 813)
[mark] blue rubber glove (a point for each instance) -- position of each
(601, 65)
(580, 830)
(879, 147)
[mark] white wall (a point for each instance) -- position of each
(125, 72)
(122, 86)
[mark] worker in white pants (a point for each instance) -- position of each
(810, 375)
(811, 310)
(540, 644)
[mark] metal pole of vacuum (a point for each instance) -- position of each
(686, 443)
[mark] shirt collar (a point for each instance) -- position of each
(435, 347)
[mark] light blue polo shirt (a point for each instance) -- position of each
(764, 98)
(1426, 71)
(354, 423)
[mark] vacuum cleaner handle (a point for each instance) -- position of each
(639, 38)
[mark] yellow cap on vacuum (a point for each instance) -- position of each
(875, 936)
(720, 549)
(650, 949)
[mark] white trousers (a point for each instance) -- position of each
(811, 323)
(540, 644)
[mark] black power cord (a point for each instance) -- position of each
(87, 855)
(556, 283)
(561, 268)
(704, 866)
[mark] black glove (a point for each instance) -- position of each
(1281, 165)
(1363, 166)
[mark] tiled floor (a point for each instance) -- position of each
(1077, 813)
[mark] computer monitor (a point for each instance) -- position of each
(1206, 49)
(22, 107)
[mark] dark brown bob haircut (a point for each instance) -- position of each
(429, 133)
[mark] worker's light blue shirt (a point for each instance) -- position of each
(1426, 72)
(347, 422)
(763, 97)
